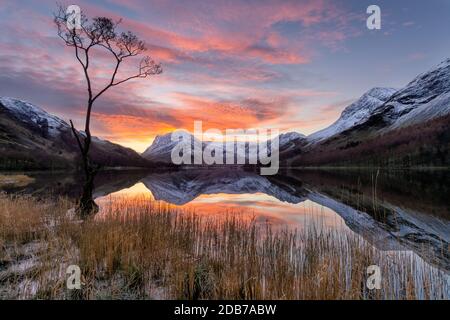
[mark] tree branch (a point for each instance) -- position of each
(75, 132)
(102, 32)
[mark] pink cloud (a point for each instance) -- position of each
(220, 55)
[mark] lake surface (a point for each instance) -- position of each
(392, 210)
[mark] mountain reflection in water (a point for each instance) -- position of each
(404, 210)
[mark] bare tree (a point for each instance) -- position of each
(100, 32)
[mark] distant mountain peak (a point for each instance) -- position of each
(356, 113)
(161, 148)
(291, 135)
(426, 97)
(288, 141)
(368, 102)
(381, 93)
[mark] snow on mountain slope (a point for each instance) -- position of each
(34, 136)
(357, 113)
(161, 148)
(34, 116)
(425, 98)
(288, 141)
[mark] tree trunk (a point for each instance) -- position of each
(87, 205)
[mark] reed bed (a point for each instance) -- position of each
(136, 248)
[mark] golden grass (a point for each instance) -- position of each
(17, 180)
(140, 249)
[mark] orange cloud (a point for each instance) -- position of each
(136, 127)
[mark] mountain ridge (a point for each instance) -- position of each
(31, 138)
(161, 148)
(380, 118)
(355, 113)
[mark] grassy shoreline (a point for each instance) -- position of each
(139, 249)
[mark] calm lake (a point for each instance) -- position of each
(392, 210)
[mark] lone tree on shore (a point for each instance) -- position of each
(102, 33)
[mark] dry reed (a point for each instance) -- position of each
(141, 249)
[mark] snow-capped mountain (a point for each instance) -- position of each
(356, 113)
(288, 140)
(30, 137)
(34, 117)
(403, 128)
(25, 127)
(161, 148)
(425, 98)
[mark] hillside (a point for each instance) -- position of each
(31, 138)
(405, 128)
